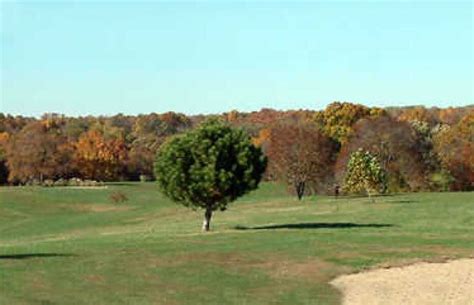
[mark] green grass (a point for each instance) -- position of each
(74, 246)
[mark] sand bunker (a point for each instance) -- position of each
(450, 283)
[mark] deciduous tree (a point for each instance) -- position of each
(417, 113)
(4, 136)
(455, 148)
(38, 152)
(364, 173)
(337, 119)
(98, 158)
(300, 155)
(397, 147)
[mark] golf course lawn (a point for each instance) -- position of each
(75, 246)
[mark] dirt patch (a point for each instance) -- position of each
(286, 209)
(94, 278)
(277, 267)
(96, 208)
(450, 283)
(313, 269)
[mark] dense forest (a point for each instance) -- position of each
(421, 149)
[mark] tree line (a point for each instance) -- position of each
(417, 148)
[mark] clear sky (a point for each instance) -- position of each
(90, 57)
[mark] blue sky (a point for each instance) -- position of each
(107, 57)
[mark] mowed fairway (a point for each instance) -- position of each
(74, 246)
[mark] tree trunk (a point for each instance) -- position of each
(207, 220)
(370, 196)
(300, 190)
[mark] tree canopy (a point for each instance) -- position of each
(364, 173)
(396, 146)
(455, 147)
(209, 167)
(420, 148)
(299, 155)
(337, 119)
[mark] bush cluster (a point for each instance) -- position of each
(71, 182)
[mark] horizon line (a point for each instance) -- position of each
(69, 115)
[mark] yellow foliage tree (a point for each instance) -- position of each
(99, 158)
(337, 119)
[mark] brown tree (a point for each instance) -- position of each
(140, 162)
(38, 152)
(4, 136)
(299, 154)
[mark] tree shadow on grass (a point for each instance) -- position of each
(35, 255)
(316, 225)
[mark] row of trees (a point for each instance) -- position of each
(101, 148)
(417, 148)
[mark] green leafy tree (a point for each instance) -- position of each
(209, 167)
(364, 173)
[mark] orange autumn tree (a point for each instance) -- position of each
(99, 158)
(450, 115)
(262, 138)
(417, 113)
(455, 148)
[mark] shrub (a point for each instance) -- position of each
(48, 183)
(144, 178)
(118, 197)
(60, 182)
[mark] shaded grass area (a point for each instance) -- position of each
(315, 225)
(34, 255)
(74, 246)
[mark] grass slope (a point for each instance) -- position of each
(73, 246)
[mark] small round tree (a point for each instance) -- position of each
(364, 173)
(209, 167)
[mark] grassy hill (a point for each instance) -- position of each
(75, 246)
